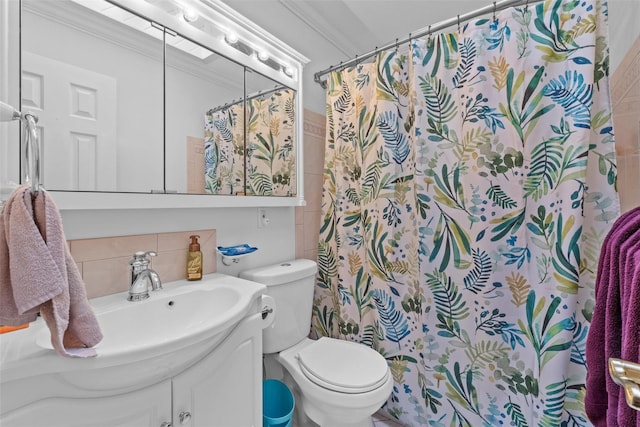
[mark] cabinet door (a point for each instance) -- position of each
(225, 388)
(147, 407)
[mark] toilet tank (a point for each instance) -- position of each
(291, 284)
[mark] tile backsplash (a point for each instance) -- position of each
(104, 262)
(625, 100)
(308, 217)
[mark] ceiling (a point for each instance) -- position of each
(330, 31)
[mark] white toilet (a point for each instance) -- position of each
(335, 383)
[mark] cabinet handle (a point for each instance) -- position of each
(165, 424)
(185, 417)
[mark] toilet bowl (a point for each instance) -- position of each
(336, 383)
(346, 396)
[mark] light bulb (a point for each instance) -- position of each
(263, 55)
(189, 14)
(288, 71)
(231, 38)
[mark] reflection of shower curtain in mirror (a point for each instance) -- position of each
(270, 159)
(224, 151)
(271, 153)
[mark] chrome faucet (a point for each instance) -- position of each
(142, 277)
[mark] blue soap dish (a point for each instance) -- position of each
(233, 253)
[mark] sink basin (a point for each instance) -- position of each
(163, 318)
(146, 341)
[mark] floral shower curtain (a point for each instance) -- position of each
(270, 150)
(468, 186)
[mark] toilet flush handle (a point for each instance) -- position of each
(184, 417)
(266, 310)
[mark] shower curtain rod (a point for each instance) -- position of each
(255, 95)
(493, 8)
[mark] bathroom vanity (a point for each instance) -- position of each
(189, 367)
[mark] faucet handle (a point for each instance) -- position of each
(140, 257)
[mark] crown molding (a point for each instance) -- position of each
(313, 15)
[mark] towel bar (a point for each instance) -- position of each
(32, 148)
(627, 375)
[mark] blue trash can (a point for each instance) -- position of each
(277, 404)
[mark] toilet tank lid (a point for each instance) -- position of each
(280, 273)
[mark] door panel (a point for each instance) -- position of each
(77, 123)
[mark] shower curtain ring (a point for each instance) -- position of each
(494, 10)
(458, 23)
(526, 6)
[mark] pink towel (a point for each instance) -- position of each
(39, 274)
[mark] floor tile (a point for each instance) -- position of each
(382, 420)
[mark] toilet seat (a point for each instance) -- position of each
(343, 366)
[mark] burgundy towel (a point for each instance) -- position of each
(39, 274)
(605, 332)
(629, 268)
(628, 417)
(630, 296)
(629, 303)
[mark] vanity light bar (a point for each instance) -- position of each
(262, 55)
(144, 26)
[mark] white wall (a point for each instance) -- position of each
(623, 28)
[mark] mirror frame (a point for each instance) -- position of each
(213, 10)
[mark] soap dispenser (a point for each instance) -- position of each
(194, 262)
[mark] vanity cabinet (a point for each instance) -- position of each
(150, 407)
(223, 389)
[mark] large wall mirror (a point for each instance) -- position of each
(129, 105)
